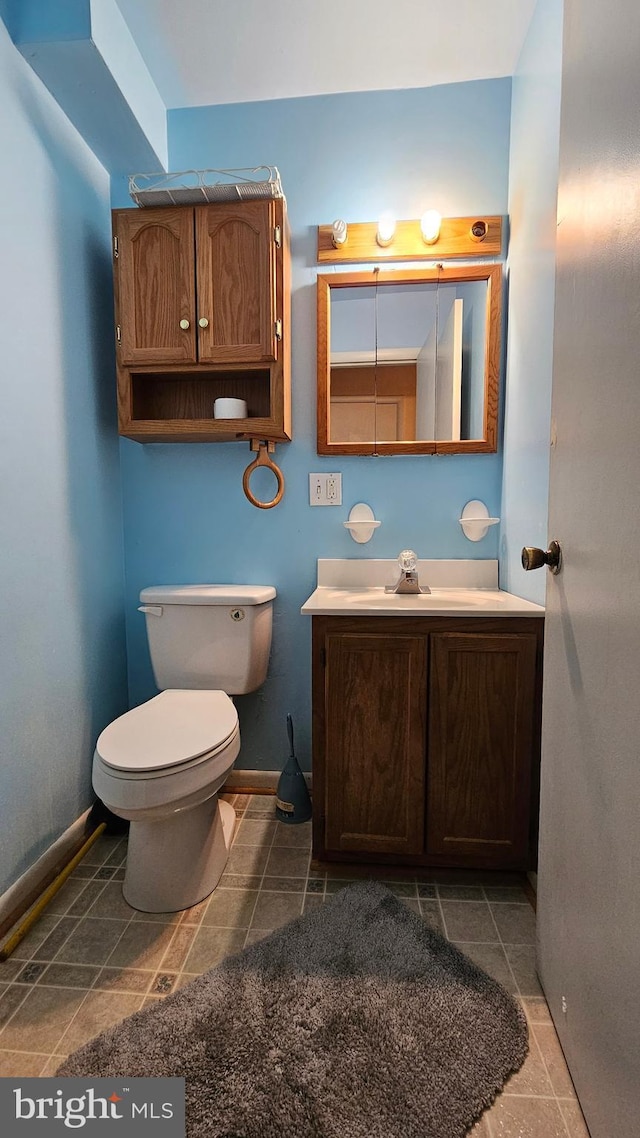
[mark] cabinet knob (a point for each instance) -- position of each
(533, 558)
(184, 324)
(203, 322)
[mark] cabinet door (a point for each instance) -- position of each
(235, 254)
(375, 743)
(155, 285)
(482, 699)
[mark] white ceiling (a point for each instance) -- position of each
(203, 52)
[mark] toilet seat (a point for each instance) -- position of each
(169, 733)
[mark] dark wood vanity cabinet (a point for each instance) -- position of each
(426, 740)
(202, 311)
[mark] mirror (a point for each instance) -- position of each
(408, 361)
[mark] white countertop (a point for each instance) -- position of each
(355, 587)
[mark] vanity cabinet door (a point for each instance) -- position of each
(155, 285)
(374, 721)
(481, 741)
(236, 253)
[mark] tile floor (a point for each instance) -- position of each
(91, 960)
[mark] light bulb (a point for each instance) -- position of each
(430, 226)
(386, 228)
(339, 231)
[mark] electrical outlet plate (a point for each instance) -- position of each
(325, 489)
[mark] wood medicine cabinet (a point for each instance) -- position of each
(202, 312)
(409, 360)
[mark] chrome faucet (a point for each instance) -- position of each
(408, 580)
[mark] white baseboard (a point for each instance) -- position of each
(264, 782)
(61, 850)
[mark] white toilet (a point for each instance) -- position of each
(161, 764)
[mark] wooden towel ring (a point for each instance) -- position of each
(263, 460)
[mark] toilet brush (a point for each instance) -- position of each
(293, 803)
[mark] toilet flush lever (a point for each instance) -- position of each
(152, 610)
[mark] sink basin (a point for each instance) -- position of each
(458, 588)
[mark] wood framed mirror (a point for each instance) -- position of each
(409, 360)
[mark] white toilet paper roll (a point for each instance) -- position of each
(230, 409)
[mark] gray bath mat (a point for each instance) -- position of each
(354, 1021)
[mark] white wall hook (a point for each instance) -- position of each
(361, 523)
(475, 520)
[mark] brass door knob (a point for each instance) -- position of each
(534, 558)
(203, 322)
(185, 325)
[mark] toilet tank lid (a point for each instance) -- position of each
(207, 594)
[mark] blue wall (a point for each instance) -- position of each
(533, 189)
(63, 665)
(185, 515)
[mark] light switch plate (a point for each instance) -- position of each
(325, 489)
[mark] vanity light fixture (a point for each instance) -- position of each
(339, 233)
(430, 223)
(386, 228)
(411, 239)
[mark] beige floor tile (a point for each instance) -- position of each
(51, 1065)
(254, 935)
(516, 923)
(69, 975)
(431, 915)
(460, 893)
(240, 881)
(31, 972)
(275, 909)
(9, 969)
(163, 983)
(193, 915)
(468, 921)
(284, 885)
(41, 1019)
(492, 959)
(36, 936)
(92, 942)
(99, 1011)
(169, 918)
(337, 885)
(10, 1000)
(142, 945)
(255, 832)
(512, 1117)
(411, 903)
(287, 863)
(513, 893)
(481, 1129)
(112, 904)
(106, 850)
(553, 1056)
(66, 896)
(21, 1064)
(87, 898)
(532, 1078)
(536, 1008)
(247, 860)
(179, 948)
(522, 958)
(293, 835)
(231, 908)
(402, 888)
(211, 945)
(50, 947)
(312, 901)
(573, 1118)
(124, 980)
(185, 978)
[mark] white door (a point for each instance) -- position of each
(589, 868)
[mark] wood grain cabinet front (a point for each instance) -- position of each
(202, 312)
(426, 740)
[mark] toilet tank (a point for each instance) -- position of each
(209, 636)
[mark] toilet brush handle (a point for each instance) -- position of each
(290, 734)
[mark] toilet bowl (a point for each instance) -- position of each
(161, 766)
